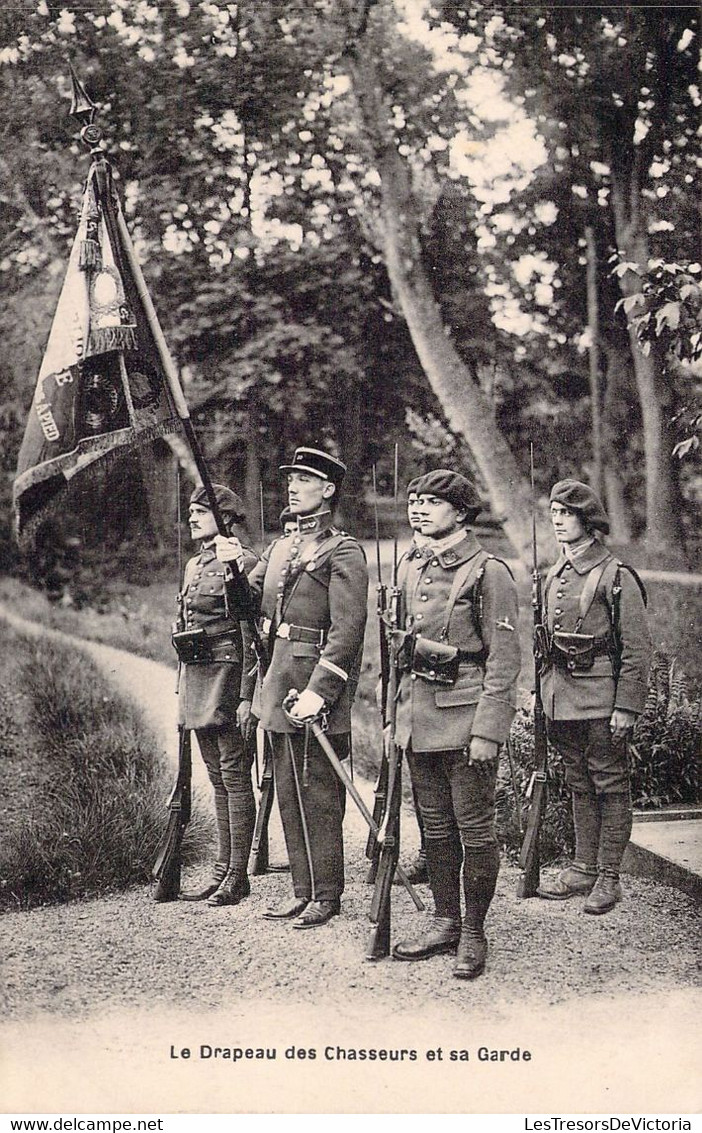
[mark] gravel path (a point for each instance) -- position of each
(607, 1006)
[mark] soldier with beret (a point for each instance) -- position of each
(416, 870)
(456, 701)
(312, 586)
(593, 688)
(215, 691)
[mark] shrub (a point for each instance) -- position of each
(667, 741)
(556, 834)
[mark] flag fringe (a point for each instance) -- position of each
(104, 450)
(104, 339)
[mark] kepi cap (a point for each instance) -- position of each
(317, 462)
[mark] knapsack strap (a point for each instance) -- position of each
(589, 590)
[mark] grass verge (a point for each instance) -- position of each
(85, 776)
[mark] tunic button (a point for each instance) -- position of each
(427, 581)
(558, 611)
(569, 566)
(556, 625)
(434, 562)
(559, 594)
(425, 597)
(419, 617)
(413, 676)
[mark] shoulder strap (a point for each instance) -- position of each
(637, 579)
(471, 570)
(314, 554)
(589, 590)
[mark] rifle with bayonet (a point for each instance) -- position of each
(388, 838)
(537, 794)
(167, 865)
(381, 787)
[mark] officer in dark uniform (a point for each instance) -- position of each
(313, 590)
(593, 688)
(456, 701)
(215, 693)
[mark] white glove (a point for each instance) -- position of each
(229, 550)
(307, 706)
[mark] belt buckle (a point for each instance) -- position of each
(283, 630)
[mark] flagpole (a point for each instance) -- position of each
(169, 368)
(84, 109)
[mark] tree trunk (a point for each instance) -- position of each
(593, 322)
(616, 410)
(465, 405)
(252, 476)
(350, 439)
(663, 528)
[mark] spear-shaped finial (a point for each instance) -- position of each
(84, 109)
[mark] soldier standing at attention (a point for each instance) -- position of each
(456, 701)
(313, 590)
(593, 688)
(416, 870)
(214, 697)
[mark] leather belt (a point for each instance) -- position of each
(290, 632)
(301, 633)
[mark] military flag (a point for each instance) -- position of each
(102, 386)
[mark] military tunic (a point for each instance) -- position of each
(313, 588)
(579, 703)
(210, 693)
(482, 701)
(435, 722)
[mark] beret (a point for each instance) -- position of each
(317, 462)
(580, 497)
(451, 486)
(230, 504)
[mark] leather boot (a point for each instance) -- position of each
(578, 879)
(480, 871)
(444, 856)
(241, 817)
(606, 894)
(416, 870)
(615, 830)
(218, 875)
(444, 860)
(233, 889)
(441, 936)
(575, 881)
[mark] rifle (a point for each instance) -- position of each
(389, 836)
(166, 867)
(529, 860)
(258, 858)
(381, 787)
